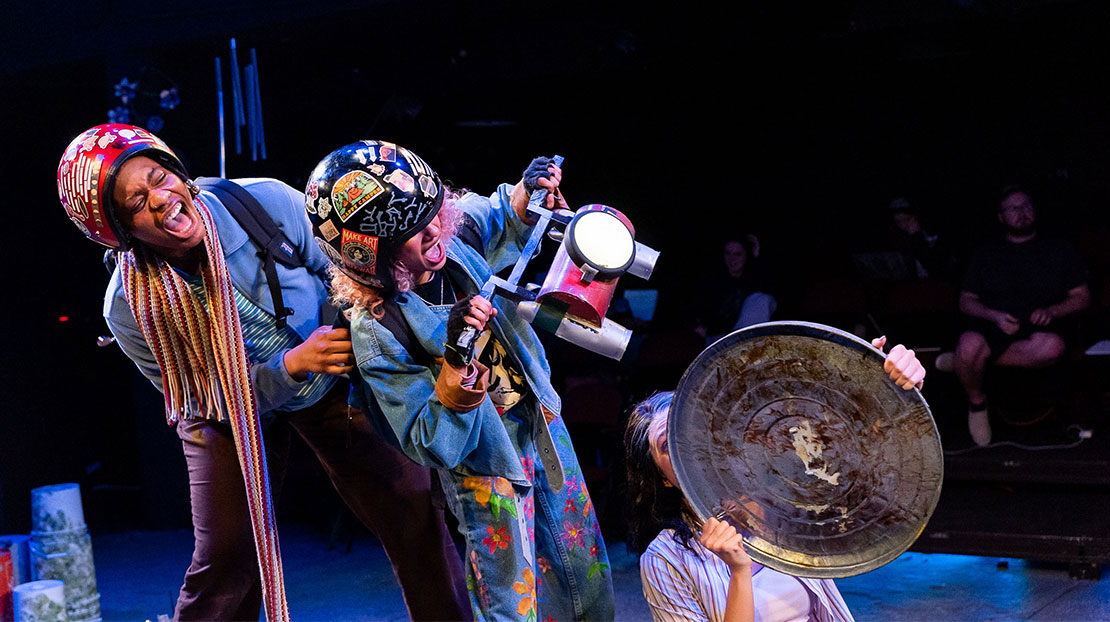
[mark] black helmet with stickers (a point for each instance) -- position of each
(364, 201)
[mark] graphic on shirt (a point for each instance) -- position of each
(352, 191)
(359, 251)
(507, 385)
(402, 180)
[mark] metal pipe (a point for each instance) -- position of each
(220, 115)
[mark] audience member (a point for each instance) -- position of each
(737, 297)
(925, 254)
(1020, 295)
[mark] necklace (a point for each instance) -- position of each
(424, 287)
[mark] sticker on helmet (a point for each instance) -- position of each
(80, 225)
(77, 208)
(402, 212)
(402, 180)
(428, 185)
(126, 133)
(105, 140)
(88, 143)
(376, 169)
(419, 166)
(323, 207)
(360, 252)
(328, 230)
(352, 191)
(311, 191)
(387, 152)
(330, 251)
(309, 205)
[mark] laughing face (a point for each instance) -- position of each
(424, 253)
(156, 208)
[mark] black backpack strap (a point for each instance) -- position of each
(470, 235)
(265, 234)
(395, 323)
(254, 219)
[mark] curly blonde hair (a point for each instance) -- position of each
(347, 291)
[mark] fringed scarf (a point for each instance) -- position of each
(200, 350)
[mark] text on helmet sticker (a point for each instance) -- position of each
(360, 252)
(352, 191)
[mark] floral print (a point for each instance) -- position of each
(497, 538)
(573, 533)
(535, 553)
(495, 492)
(527, 588)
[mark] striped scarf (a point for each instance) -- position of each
(202, 356)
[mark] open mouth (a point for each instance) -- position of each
(434, 254)
(177, 221)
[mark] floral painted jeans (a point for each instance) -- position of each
(531, 553)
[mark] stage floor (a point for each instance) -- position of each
(139, 573)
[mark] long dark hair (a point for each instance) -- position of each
(653, 505)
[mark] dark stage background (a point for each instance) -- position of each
(796, 121)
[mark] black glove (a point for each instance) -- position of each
(536, 170)
(453, 353)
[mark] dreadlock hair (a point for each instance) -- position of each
(654, 504)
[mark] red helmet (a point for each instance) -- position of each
(87, 172)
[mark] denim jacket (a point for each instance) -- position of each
(400, 392)
(302, 288)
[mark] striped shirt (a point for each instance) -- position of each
(684, 585)
(263, 339)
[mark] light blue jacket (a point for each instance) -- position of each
(302, 288)
(400, 392)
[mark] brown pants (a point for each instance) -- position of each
(389, 493)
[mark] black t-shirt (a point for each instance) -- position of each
(1020, 278)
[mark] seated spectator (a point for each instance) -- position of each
(1021, 293)
(737, 297)
(925, 254)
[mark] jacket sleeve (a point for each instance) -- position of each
(273, 385)
(503, 233)
(405, 392)
(120, 320)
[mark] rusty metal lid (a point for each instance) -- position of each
(793, 432)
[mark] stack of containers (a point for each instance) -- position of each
(40, 601)
(61, 548)
(6, 612)
(19, 547)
